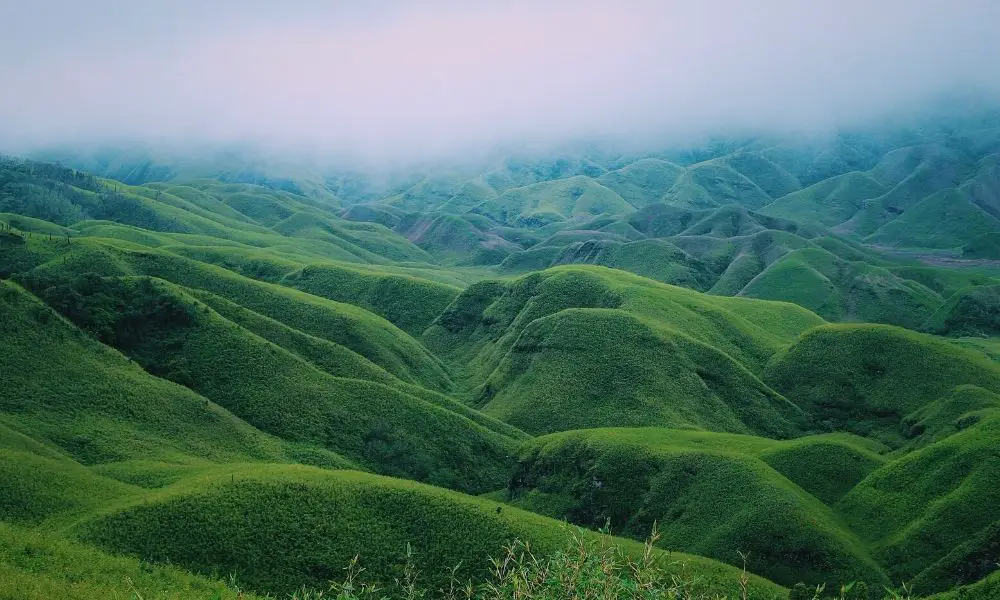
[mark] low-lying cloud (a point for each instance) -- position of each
(399, 79)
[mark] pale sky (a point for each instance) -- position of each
(398, 78)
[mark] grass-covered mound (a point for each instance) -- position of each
(552, 201)
(947, 219)
(713, 183)
(883, 383)
(842, 290)
(942, 499)
(407, 302)
(455, 239)
(178, 338)
(973, 311)
(36, 565)
(769, 176)
(353, 327)
(278, 528)
(655, 259)
(664, 355)
(37, 487)
(712, 494)
(828, 202)
(68, 390)
(642, 182)
(984, 246)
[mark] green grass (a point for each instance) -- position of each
(840, 290)
(41, 566)
(946, 219)
(914, 511)
(344, 324)
(407, 302)
(882, 382)
(175, 337)
(552, 201)
(974, 311)
(588, 346)
(264, 316)
(712, 494)
(642, 182)
(278, 528)
(985, 246)
(455, 239)
(713, 183)
(655, 259)
(828, 202)
(769, 176)
(69, 391)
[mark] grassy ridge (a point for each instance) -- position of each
(882, 384)
(665, 355)
(39, 566)
(280, 528)
(409, 303)
(345, 324)
(67, 390)
(712, 494)
(916, 510)
(173, 336)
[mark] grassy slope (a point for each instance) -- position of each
(974, 311)
(281, 527)
(556, 200)
(946, 219)
(841, 290)
(713, 183)
(916, 510)
(883, 383)
(643, 181)
(35, 565)
(344, 324)
(276, 391)
(710, 493)
(407, 302)
(828, 202)
(69, 391)
(665, 355)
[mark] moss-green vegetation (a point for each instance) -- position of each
(179, 344)
(407, 302)
(585, 346)
(280, 528)
(884, 382)
(704, 488)
(973, 311)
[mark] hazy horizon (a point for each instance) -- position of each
(391, 81)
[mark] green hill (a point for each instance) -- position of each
(985, 246)
(973, 311)
(552, 201)
(67, 390)
(278, 528)
(711, 184)
(916, 510)
(884, 382)
(643, 182)
(828, 202)
(773, 179)
(841, 290)
(36, 565)
(710, 493)
(407, 302)
(175, 337)
(946, 219)
(664, 355)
